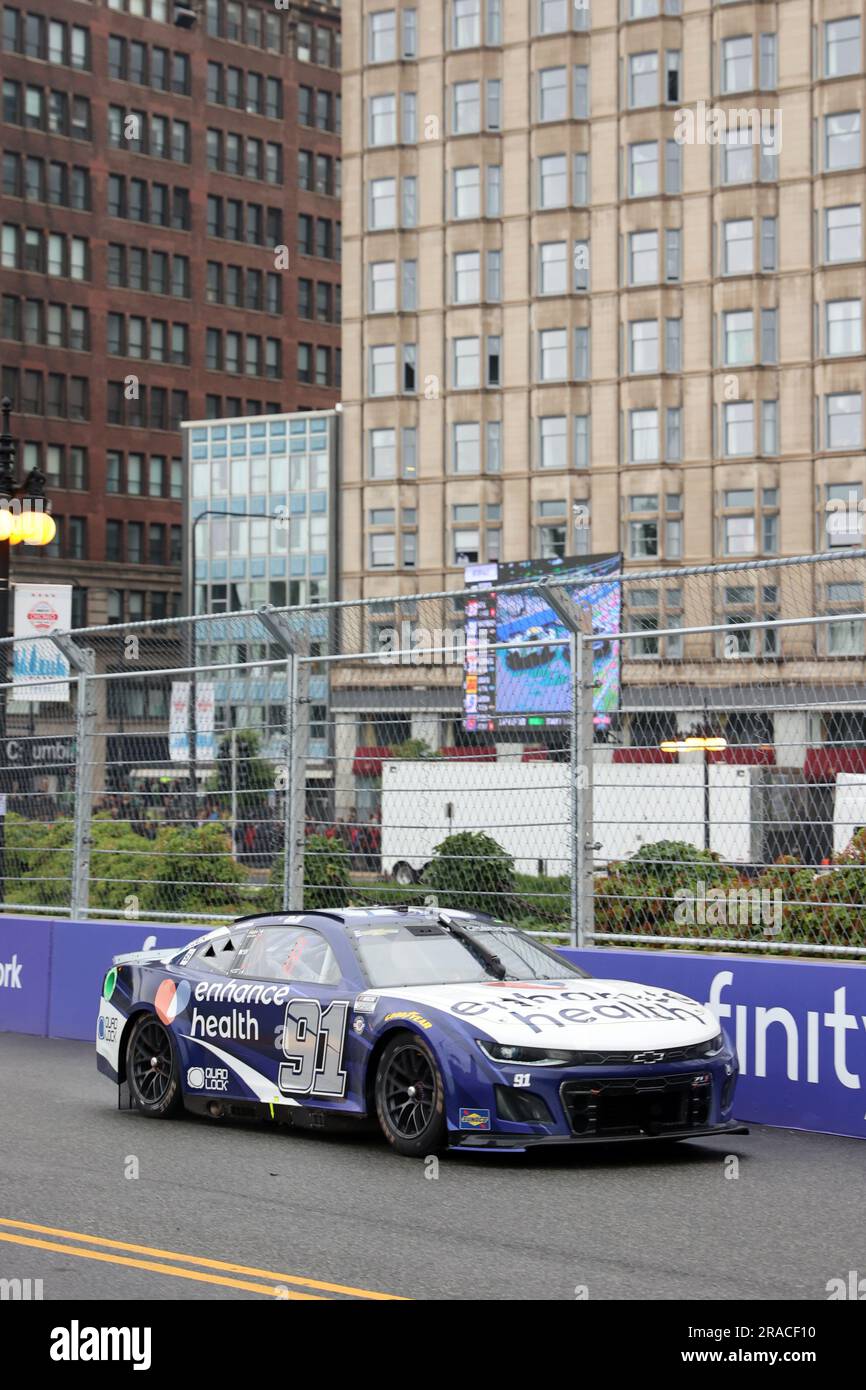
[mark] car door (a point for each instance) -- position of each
(304, 1005)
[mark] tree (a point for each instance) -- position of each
(470, 871)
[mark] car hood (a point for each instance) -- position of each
(610, 1015)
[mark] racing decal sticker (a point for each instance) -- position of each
(110, 982)
(171, 1000)
(109, 1028)
(262, 1088)
(474, 1119)
(359, 1025)
(411, 1016)
(312, 1040)
(366, 1003)
(207, 1078)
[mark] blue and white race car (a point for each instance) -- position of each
(448, 1028)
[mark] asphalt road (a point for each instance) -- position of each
(345, 1213)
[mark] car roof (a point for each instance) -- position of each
(357, 916)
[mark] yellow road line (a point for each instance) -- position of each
(201, 1260)
(198, 1275)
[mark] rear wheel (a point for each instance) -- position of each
(151, 1069)
(410, 1097)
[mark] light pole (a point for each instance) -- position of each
(29, 524)
(698, 743)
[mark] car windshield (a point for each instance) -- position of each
(404, 953)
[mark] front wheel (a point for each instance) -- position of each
(151, 1069)
(410, 1097)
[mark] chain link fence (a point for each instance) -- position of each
(693, 772)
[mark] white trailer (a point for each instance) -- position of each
(849, 813)
(526, 808)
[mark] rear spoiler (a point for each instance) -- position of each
(151, 957)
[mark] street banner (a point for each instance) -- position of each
(205, 737)
(40, 672)
(178, 722)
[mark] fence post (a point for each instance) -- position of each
(574, 767)
(296, 760)
(82, 660)
(577, 620)
(584, 779)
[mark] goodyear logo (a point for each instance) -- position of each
(474, 1119)
(411, 1016)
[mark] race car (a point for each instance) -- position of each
(447, 1029)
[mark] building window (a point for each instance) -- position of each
(467, 277)
(843, 327)
(553, 94)
(383, 120)
(642, 527)
(383, 287)
(382, 46)
(643, 169)
(842, 141)
(553, 181)
(643, 258)
(844, 421)
(739, 428)
(553, 267)
(644, 436)
(842, 233)
(736, 65)
(383, 204)
(383, 553)
(467, 192)
(842, 47)
(383, 454)
(643, 79)
(738, 248)
(738, 347)
(644, 345)
(553, 354)
(842, 522)
(466, 447)
(553, 441)
(466, 15)
(466, 108)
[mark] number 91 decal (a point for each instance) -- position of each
(313, 1042)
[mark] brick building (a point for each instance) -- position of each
(170, 211)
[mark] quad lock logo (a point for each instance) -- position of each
(208, 1078)
(106, 1029)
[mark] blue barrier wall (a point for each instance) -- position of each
(799, 1026)
(55, 969)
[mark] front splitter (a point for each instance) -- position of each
(518, 1143)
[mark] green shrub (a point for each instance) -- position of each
(473, 873)
(642, 894)
(192, 870)
(327, 877)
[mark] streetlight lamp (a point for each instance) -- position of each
(29, 523)
(698, 743)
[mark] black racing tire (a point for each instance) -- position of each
(152, 1072)
(412, 1120)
